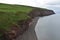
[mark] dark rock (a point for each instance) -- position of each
(40, 13)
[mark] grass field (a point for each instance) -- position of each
(14, 8)
(10, 14)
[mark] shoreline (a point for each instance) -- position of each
(30, 33)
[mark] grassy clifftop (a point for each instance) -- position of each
(10, 14)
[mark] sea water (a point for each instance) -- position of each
(48, 28)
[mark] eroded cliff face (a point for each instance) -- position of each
(40, 12)
(24, 24)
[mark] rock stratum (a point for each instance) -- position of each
(22, 25)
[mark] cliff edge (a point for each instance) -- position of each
(30, 34)
(40, 12)
(16, 19)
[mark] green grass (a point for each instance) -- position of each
(14, 8)
(10, 14)
(7, 19)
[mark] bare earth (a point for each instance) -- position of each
(30, 33)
